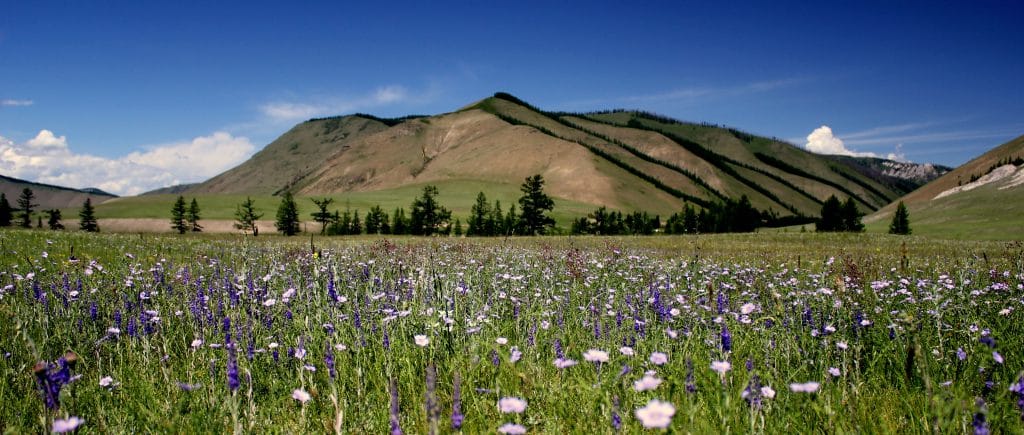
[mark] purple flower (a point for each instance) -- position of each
(511, 405)
(396, 429)
(457, 416)
(960, 354)
(512, 429)
(430, 401)
(188, 387)
(726, 339)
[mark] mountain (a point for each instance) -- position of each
(627, 160)
(983, 198)
(903, 177)
(50, 196)
(171, 190)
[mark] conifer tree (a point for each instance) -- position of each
(535, 205)
(246, 217)
(458, 228)
(25, 205)
(287, 216)
(321, 215)
(851, 217)
(5, 211)
(831, 215)
(53, 219)
(192, 217)
(178, 216)
(399, 223)
(87, 218)
(900, 220)
(478, 217)
(427, 216)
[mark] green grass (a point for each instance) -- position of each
(985, 213)
(934, 296)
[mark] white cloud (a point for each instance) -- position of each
(48, 159)
(7, 102)
(291, 111)
(823, 141)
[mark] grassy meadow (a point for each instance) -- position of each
(758, 333)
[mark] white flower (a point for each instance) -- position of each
(626, 350)
(594, 355)
(107, 381)
(564, 363)
(300, 353)
(511, 405)
(269, 302)
(196, 343)
(421, 340)
(659, 358)
(501, 340)
(67, 425)
(842, 345)
(516, 355)
(656, 415)
(300, 395)
(113, 331)
(767, 392)
(512, 429)
(288, 294)
(834, 371)
(747, 308)
(721, 367)
(806, 387)
(646, 383)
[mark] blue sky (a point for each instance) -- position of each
(129, 96)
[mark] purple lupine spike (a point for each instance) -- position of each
(531, 336)
(616, 419)
(558, 349)
(457, 416)
(387, 340)
(494, 358)
(722, 302)
(691, 387)
(750, 364)
(329, 362)
(93, 311)
(430, 401)
(396, 428)
(726, 339)
(232, 369)
(752, 394)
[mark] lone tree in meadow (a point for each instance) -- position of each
(246, 217)
(192, 217)
(87, 218)
(288, 216)
(321, 215)
(5, 211)
(25, 205)
(535, 205)
(53, 219)
(428, 217)
(178, 216)
(900, 220)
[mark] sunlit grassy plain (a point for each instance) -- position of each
(902, 306)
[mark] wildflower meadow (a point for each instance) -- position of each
(756, 333)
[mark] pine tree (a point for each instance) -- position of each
(25, 205)
(851, 217)
(192, 217)
(478, 217)
(900, 220)
(287, 216)
(534, 206)
(246, 217)
(496, 221)
(356, 227)
(5, 211)
(427, 216)
(321, 215)
(511, 222)
(53, 219)
(831, 215)
(458, 228)
(399, 223)
(178, 216)
(87, 218)
(689, 220)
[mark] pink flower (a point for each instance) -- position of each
(806, 387)
(511, 405)
(67, 425)
(512, 429)
(648, 382)
(300, 395)
(659, 358)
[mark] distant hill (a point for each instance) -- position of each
(983, 198)
(627, 160)
(171, 190)
(49, 196)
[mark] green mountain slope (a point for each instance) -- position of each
(983, 198)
